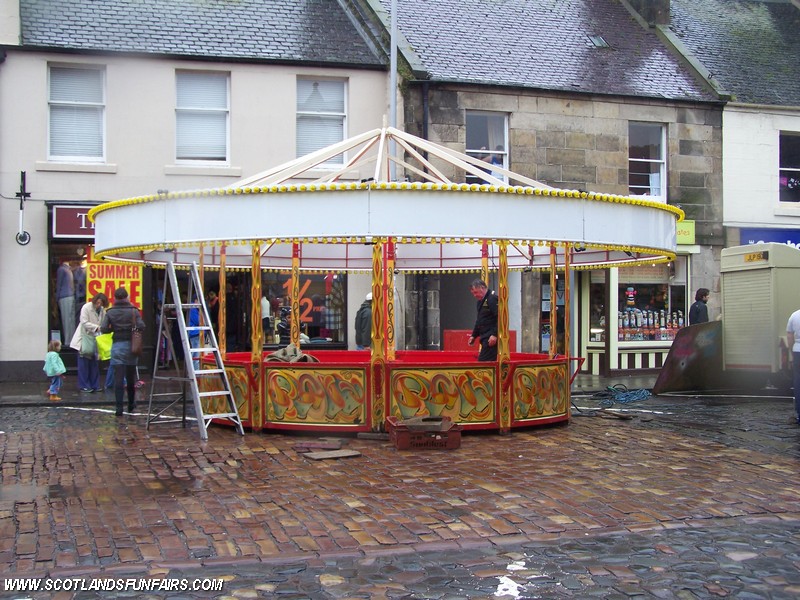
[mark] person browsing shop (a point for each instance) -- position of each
(698, 312)
(121, 319)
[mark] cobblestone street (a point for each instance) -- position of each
(689, 498)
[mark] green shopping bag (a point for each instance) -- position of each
(104, 341)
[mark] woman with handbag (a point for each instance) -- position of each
(84, 341)
(126, 322)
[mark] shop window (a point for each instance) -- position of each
(789, 172)
(76, 105)
(651, 304)
(68, 290)
(647, 165)
(321, 116)
(487, 140)
(201, 116)
(322, 307)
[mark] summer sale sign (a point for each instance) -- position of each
(105, 276)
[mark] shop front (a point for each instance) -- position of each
(75, 276)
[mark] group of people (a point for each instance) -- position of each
(96, 318)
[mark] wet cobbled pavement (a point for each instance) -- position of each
(668, 497)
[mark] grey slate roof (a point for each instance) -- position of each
(281, 30)
(752, 48)
(544, 44)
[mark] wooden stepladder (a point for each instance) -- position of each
(198, 340)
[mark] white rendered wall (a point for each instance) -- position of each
(750, 160)
(140, 155)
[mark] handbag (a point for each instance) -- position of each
(136, 336)
(104, 341)
(88, 345)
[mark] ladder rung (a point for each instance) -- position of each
(209, 371)
(217, 393)
(222, 416)
(199, 328)
(191, 305)
(204, 349)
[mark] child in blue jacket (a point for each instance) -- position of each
(54, 368)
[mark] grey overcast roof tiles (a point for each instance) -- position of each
(281, 30)
(752, 48)
(544, 44)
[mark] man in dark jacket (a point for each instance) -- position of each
(364, 324)
(121, 319)
(698, 312)
(485, 330)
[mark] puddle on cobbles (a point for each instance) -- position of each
(169, 486)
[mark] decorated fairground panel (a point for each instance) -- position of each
(316, 395)
(466, 393)
(244, 380)
(539, 392)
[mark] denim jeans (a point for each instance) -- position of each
(796, 369)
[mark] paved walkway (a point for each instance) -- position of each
(692, 497)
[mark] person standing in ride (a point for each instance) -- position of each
(121, 319)
(91, 316)
(698, 312)
(485, 330)
(364, 324)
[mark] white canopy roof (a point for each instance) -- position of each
(437, 223)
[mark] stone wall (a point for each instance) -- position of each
(581, 142)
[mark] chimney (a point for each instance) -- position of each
(655, 12)
(9, 23)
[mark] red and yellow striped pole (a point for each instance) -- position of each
(389, 285)
(295, 294)
(223, 312)
(257, 327)
(553, 303)
(503, 346)
(377, 354)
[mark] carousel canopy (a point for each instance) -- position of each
(436, 222)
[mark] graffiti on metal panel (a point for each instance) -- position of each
(316, 395)
(539, 391)
(461, 394)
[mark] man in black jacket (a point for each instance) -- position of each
(485, 330)
(698, 312)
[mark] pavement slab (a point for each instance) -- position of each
(690, 497)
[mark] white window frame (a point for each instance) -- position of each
(336, 161)
(486, 149)
(198, 111)
(791, 173)
(661, 162)
(77, 104)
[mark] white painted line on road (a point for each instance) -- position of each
(624, 410)
(112, 411)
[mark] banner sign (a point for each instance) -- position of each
(790, 237)
(105, 277)
(70, 221)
